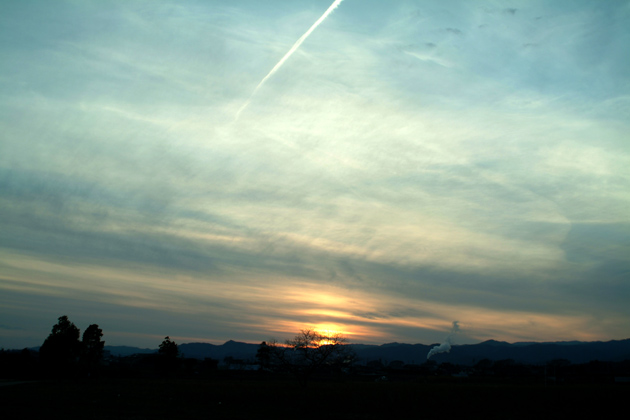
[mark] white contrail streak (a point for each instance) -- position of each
(291, 51)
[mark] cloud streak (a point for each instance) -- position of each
(399, 197)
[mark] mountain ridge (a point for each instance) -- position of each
(465, 354)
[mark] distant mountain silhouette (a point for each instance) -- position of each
(127, 350)
(230, 348)
(537, 353)
(469, 354)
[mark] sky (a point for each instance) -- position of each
(410, 164)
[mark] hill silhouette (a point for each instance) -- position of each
(469, 354)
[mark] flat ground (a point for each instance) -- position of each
(247, 399)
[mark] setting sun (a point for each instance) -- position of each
(329, 334)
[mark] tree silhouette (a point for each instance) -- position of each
(92, 351)
(263, 356)
(61, 350)
(309, 352)
(168, 348)
(168, 361)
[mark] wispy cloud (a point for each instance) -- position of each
(394, 177)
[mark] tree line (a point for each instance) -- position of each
(65, 354)
(310, 354)
(62, 350)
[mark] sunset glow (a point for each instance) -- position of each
(219, 171)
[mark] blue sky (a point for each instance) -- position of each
(413, 163)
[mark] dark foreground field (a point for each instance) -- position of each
(248, 399)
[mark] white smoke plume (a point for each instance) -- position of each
(291, 51)
(445, 347)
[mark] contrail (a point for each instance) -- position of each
(291, 51)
